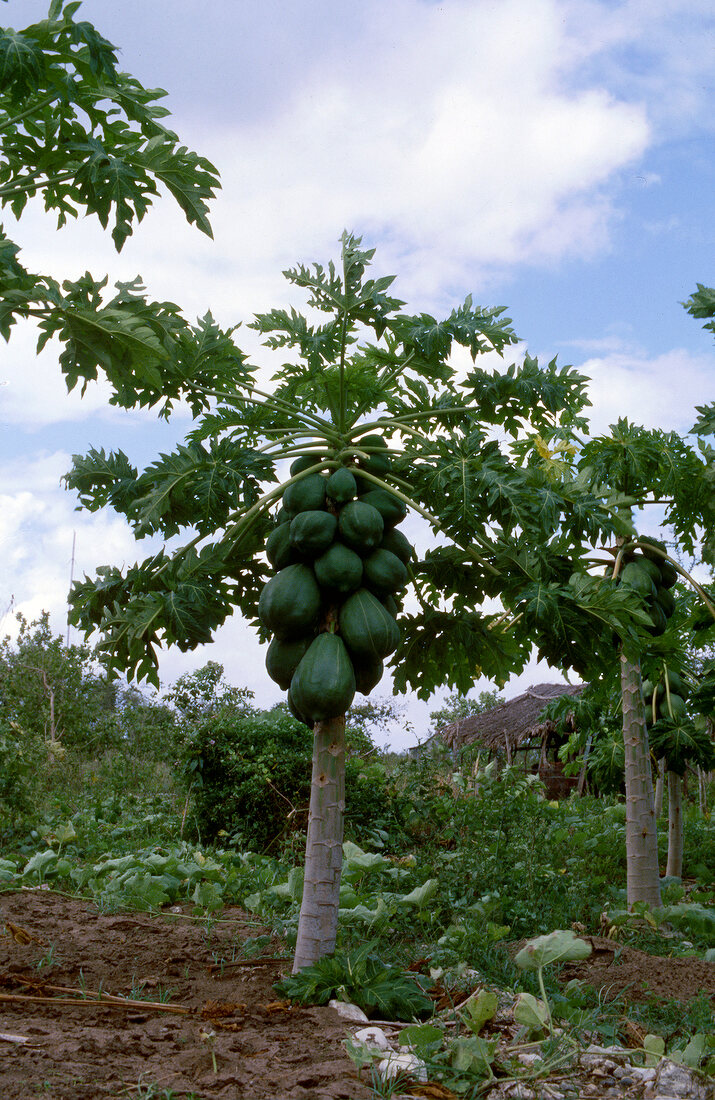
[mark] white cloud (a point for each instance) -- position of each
(449, 132)
(653, 391)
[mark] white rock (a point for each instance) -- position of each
(373, 1037)
(528, 1059)
(408, 1064)
(608, 1052)
(644, 1074)
(348, 1011)
(678, 1081)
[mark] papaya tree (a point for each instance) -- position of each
(679, 740)
(642, 469)
(293, 494)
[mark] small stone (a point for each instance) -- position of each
(626, 1080)
(398, 1064)
(527, 1059)
(373, 1037)
(348, 1011)
(644, 1074)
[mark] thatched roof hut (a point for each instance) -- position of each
(510, 726)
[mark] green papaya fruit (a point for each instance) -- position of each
(283, 657)
(658, 618)
(323, 685)
(367, 628)
(394, 541)
(653, 555)
(637, 578)
(290, 602)
(312, 532)
(360, 526)
(649, 567)
(339, 569)
(677, 709)
(304, 462)
(390, 605)
(279, 550)
(676, 683)
(306, 495)
(376, 463)
(341, 486)
(383, 572)
(666, 601)
(668, 574)
(367, 675)
(391, 508)
(295, 712)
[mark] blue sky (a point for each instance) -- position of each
(553, 156)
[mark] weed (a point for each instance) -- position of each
(144, 990)
(48, 959)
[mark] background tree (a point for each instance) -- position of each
(55, 691)
(643, 468)
(86, 138)
(201, 695)
(458, 705)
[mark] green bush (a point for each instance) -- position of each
(22, 757)
(250, 779)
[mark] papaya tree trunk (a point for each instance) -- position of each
(659, 784)
(642, 876)
(675, 825)
(318, 922)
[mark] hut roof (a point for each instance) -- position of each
(517, 720)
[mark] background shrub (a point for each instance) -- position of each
(249, 774)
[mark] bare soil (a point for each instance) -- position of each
(617, 969)
(182, 981)
(186, 994)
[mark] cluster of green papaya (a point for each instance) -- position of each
(662, 702)
(339, 564)
(648, 572)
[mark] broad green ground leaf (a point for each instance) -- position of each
(40, 863)
(531, 1013)
(421, 895)
(479, 1008)
(654, 1045)
(473, 1054)
(424, 1039)
(562, 945)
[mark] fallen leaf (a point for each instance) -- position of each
(19, 934)
(432, 1091)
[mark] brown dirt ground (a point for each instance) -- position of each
(59, 949)
(616, 968)
(263, 1048)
